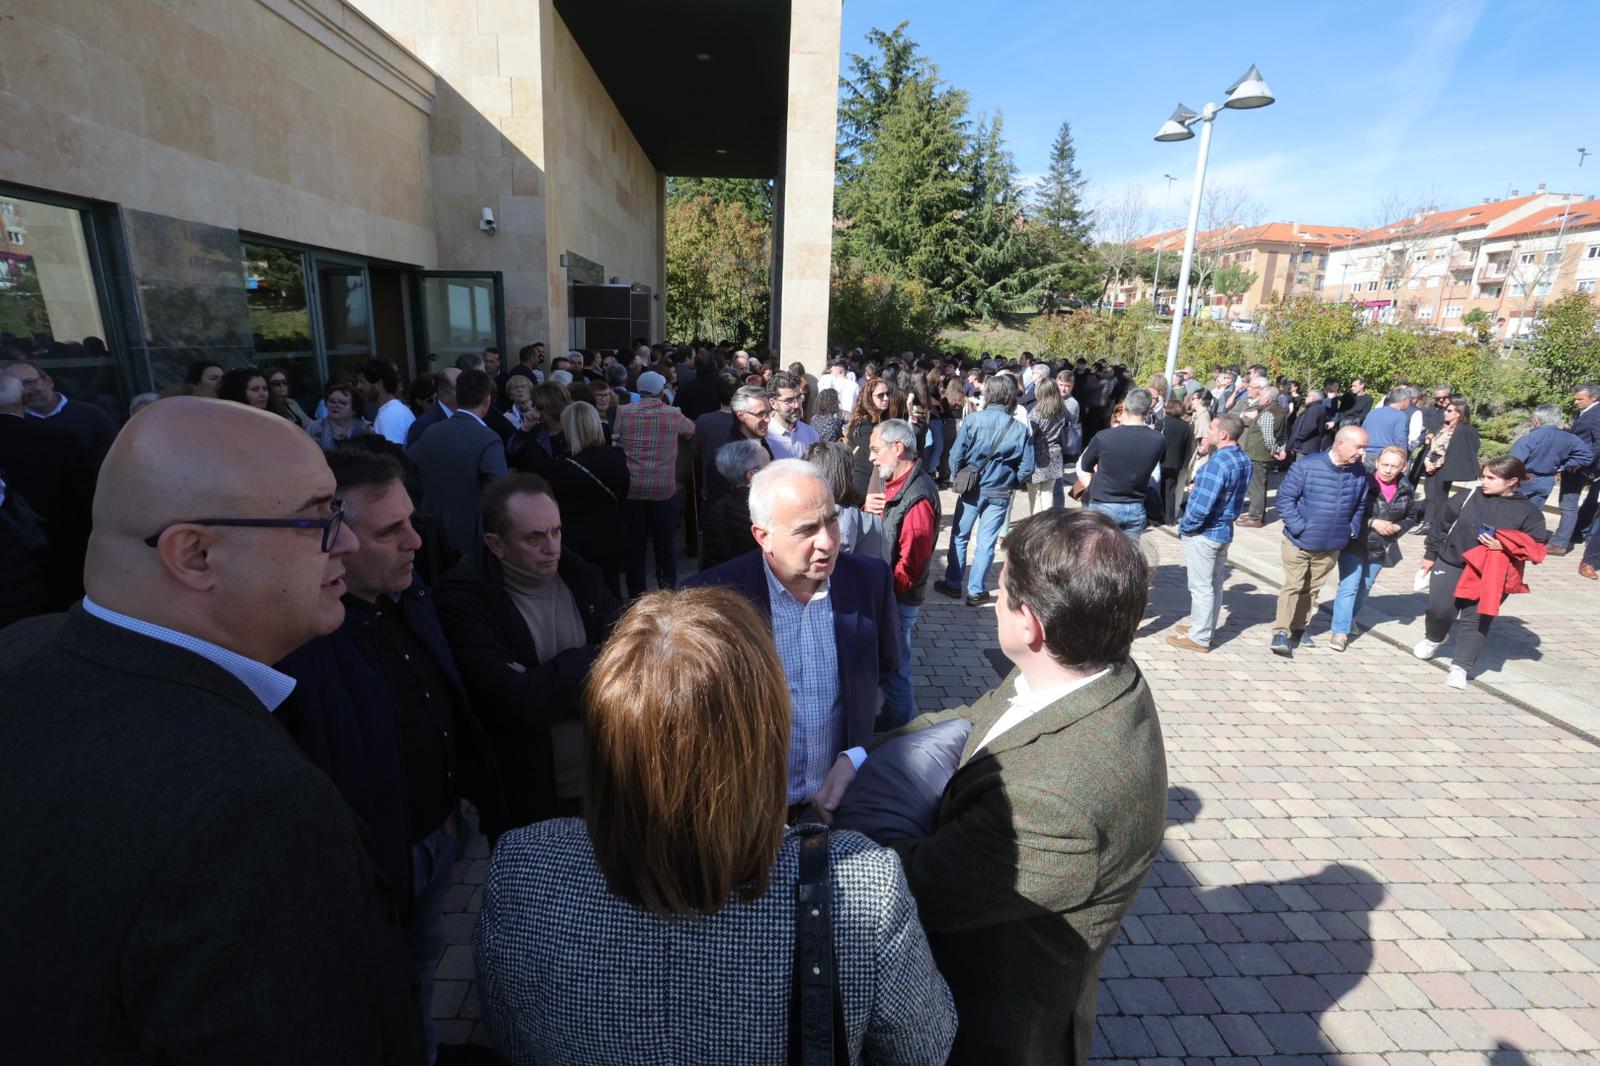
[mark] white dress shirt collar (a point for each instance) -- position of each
(268, 685)
(1026, 703)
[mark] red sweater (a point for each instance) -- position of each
(915, 548)
(1490, 576)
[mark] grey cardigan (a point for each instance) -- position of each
(571, 974)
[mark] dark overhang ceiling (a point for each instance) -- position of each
(718, 117)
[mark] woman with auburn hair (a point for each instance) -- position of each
(661, 925)
(876, 402)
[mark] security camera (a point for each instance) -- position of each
(487, 222)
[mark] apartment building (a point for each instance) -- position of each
(1287, 259)
(1505, 256)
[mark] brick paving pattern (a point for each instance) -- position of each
(1361, 865)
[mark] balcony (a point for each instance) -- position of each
(1462, 260)
(1494, 272)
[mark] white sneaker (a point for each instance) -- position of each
(1457, 678)
(1425, 649)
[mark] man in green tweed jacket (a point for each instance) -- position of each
(1055, 811)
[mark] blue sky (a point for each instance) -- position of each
(1458, 99)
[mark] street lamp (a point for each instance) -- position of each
(1248, 93)
(1155, 289)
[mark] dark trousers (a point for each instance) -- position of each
(1433, 503)
(1445, 610)
(1171, 495)
(1256, 499)
(652, 522)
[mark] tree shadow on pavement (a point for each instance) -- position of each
(1220, 969)
(1509, 641)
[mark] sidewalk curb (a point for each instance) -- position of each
(1273, 580)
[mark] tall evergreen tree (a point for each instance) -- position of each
(868, 94)
(1004, 267)
(1058, 198)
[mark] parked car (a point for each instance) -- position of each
(1244, 325)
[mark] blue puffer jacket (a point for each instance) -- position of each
(1011, 463)
(1322, 504)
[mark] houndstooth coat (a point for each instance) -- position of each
(572, 975)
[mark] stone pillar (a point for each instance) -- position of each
(803, 233)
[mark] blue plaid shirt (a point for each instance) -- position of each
(1217, 497)
(810, 654)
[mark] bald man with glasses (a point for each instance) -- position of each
(182, 884)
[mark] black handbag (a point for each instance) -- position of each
(816, 1011)
(968, 479)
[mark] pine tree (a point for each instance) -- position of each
(1005, 268)
(1058, 198)
(867, 96)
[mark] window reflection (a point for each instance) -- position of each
(49, 304)
(280, 318)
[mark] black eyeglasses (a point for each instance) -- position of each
(329, 525)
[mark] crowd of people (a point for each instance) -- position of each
(341, 641)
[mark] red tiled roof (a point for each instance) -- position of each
(1582, 215)
(1459, 218)
(1267, 233)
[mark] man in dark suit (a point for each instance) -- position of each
(379, 706)
(47, 469)
(1055, 812)
(217, 902)
(444, 406)
(93, 427)
(833, 617)
(524, 620)
(456, 458)
(1307, 433)
(1579, 514)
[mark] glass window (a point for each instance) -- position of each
(280, 319)
(346, 325)
(460, 316)
(1552, 257)
(1525, 257)
(1425, 313)
(1542, 289)
(50, 303)
(1453, 311)
(1593, 252)
(1586, 285)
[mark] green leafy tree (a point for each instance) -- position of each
(1565, 343)
(22, 310)
(1058, 198)
(1478, 321)
(718, 260)
(880, 310)
(1233, 280)
(753, 194)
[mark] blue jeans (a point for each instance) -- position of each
(935, 448)
(1538, 489)
(1131, 518)
(652, 522)
(1575, 508)
(1058, 493)
(988, 514)
(899, 700)
(433, 860)
(1357, 575)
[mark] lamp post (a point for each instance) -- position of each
(1155, 289)
(1247, 93)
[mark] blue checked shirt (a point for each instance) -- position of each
(810, 654)
(268, 685)
(1217, 497)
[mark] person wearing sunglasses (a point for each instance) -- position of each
(280, 403)
(196, 890)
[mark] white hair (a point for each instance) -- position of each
(893, 430)
(561, 377)
(10, 390)
(771, 478)
(737, 458)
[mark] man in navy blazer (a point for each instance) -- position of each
(833, 616)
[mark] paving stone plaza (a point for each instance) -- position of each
(1362, 865)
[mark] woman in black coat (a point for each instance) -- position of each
(1452, 456)
(1391, 509)
(589, 486)
(1179, 436)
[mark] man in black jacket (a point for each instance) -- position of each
(524, 623)
(379, 707)
(181, 883)
(1309, 430)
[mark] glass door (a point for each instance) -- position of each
(344, 319)
(461, 312)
